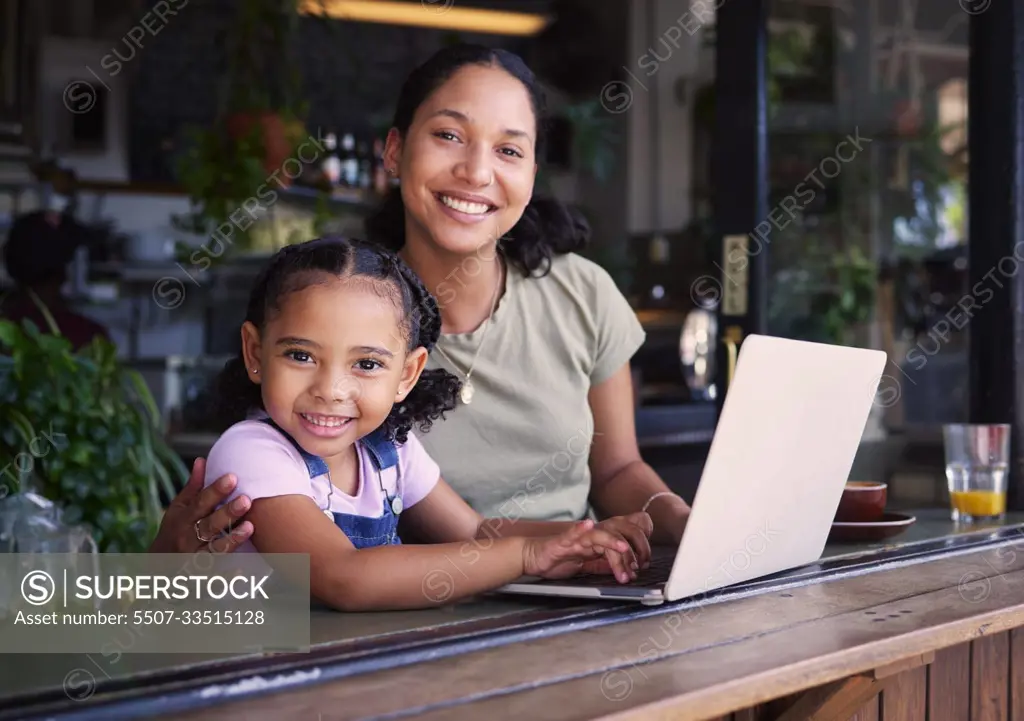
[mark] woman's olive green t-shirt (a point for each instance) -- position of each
(520, 449)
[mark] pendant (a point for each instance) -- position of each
(397, 505)
(466, 394)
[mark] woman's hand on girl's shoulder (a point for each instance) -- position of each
(583, 546)
(193, 522)
(636, 528)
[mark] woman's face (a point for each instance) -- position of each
(467, 163)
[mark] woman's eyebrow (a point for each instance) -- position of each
(462, 117)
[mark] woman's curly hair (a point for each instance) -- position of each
(296, 267)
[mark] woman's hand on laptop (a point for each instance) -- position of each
(636, 529)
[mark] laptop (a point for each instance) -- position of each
(783, 448)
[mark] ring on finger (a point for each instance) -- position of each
(199, 535)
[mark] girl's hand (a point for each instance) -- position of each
(568, 553)
(636, 528)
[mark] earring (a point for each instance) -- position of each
(255, 370)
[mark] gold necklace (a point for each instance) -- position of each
(466, 393)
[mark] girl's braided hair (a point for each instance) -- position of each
(296, 267)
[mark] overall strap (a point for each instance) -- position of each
(382, 450)
(384, 454)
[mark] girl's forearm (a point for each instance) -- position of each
(419, 576)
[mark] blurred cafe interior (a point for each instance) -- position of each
(860, 182)
(797, 168)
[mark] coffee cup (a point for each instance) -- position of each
(862, 502)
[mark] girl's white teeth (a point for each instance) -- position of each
(326, 422)
(465, 206)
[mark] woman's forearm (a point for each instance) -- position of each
(417, 576)
(505, 527)
(627, 492)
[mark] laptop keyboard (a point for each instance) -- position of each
(654, 575)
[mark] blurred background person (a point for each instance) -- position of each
(39, 247)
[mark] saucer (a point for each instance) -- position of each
(891, 524)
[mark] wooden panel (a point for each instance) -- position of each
(949, 689)
(1017, 674)
(771, 710)
(905, 664)
(701, 662)
(990, 668)
(777, 706)
(835, 701)
(906, 696)
(869, 711)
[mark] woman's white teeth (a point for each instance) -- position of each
(326, 422)
(465, 206)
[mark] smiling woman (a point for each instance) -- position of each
(541, 336)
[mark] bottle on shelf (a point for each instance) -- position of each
(350, 163)
(331, 165)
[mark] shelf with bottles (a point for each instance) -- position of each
(301, 192)
(354, 163)
(353, 200)
(349, 176)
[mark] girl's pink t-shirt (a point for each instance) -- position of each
(267, 464)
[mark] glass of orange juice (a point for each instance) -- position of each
(977, 462)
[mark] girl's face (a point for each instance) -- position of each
(329, 378)
(467, 162)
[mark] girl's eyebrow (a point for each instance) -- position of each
(374, 349)
(292, 340)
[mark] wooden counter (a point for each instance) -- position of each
(936, 638)
(886, 641)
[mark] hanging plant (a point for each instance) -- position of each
(259, 125)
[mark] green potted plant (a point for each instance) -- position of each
(83, 431)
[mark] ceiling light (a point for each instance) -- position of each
(437, 14)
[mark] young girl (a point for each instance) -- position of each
(320, 404)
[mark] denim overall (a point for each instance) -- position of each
(364, 532)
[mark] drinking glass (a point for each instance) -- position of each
(977, 462)
(18, 507)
